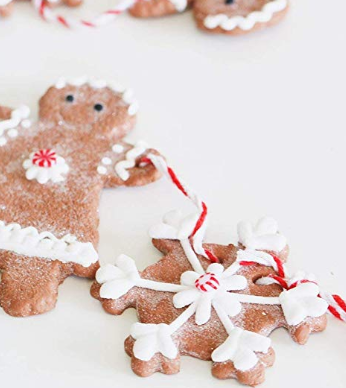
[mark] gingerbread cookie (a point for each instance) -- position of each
(6, 6)
(52, 175)
(236, 17)
(210, 301)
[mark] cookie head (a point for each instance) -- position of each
(236, 17)
(89, 105)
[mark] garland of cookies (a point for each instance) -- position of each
(202, 291)
(255, 239)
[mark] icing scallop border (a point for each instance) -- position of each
(248, 22)
(98, 83)
(30, 242)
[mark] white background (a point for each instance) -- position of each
(256, 124)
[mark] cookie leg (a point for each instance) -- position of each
(253, 377)
(301, 333)
(6, 10)
(158, 363)
(29, 286)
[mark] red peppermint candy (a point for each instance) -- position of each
(207, 282)
(44, 158)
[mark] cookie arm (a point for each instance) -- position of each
(125, 168)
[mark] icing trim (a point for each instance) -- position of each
(30, 242)
(19, 116)
(130, 160)
(301, 302)
(97, 83)
(248, 22)
(180, 5)
(264, 235)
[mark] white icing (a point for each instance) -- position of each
(180, 5)
(240, 348)
(43, 174)
(248, 22)
(118, 148)
(259, 257)
(152, 339)
(299, 276)
(266, 281)
(29, 242)
(203, 290)
(262, 236)
(175, 226)
(122, 167)
(18, 117)
(127, 95)
(26, 123)
(106, 161)
(302, 302)
(102, 170)
(117, 279)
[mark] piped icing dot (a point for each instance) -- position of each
(102, 170)
(106, 161)
(26, 123)
(118, 148)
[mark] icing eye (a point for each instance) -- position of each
(69, 98)
(98, 107)
(230, 2)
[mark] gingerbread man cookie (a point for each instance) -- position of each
(232, 17)
(6, 6)
(52, 175)
(210, 301)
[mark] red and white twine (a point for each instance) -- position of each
(337, 306)
(196, 235)
(108, 16)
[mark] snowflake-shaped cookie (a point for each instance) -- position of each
(223, 312)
